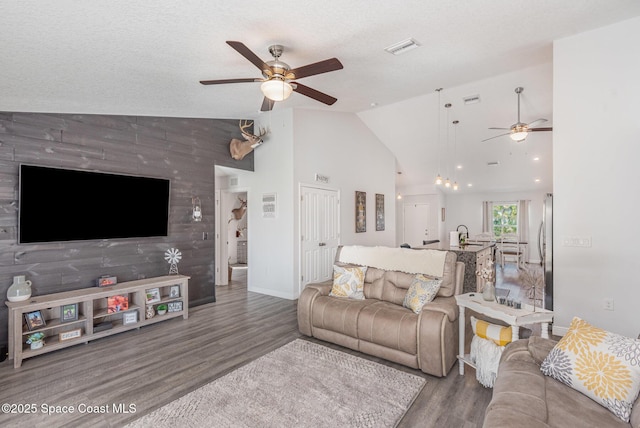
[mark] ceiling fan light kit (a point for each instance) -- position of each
(278, 78)
(276, 89)
(519, 130)
(518, 135)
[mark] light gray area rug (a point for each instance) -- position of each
(301, 384)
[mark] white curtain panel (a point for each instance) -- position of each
(487, 217)
(523, 225)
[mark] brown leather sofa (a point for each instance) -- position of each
(524, 397)
(381, 326)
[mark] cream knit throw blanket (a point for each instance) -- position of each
(485, 354)
(428, 262)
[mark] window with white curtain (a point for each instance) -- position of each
(504, 218)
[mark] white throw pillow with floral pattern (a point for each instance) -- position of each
(348, 282)
(602, 365)
(422, 290)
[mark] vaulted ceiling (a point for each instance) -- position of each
(147, 58)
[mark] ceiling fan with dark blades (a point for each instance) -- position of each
(519, 131)
(278, 77)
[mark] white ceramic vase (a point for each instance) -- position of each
(20, 289)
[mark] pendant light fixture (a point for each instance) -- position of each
(438, 177)
(447, 182)
(455, 152)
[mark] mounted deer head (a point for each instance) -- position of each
(238, 148)
(238, 213)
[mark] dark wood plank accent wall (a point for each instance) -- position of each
(183, 150)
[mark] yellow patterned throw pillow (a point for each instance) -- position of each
(500, 335)
(422, 290)
(348, 282)
(603, 366)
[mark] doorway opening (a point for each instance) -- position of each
(232, 228)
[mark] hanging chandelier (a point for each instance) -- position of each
(439, 180)
(455, 152)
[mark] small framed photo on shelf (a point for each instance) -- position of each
(34, 320)
(174, 291)
(71, 334)
(175, 306)
(69, 313)
(153, 295)
(129, 318)
(117, 303)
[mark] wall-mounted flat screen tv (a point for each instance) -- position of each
(72, 205)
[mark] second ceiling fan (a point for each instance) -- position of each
(519, 131)
(278, 77)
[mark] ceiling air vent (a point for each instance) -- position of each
(493, 163)
(402, 47)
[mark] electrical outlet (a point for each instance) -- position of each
(608, 304)
(205, 236)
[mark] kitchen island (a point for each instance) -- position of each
(474, 256)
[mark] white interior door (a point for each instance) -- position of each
(217, 244)
(416, 224)
(221, 247)
(320, 233)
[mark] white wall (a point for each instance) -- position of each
(340, 146)
(596, 152)
(271, 240)
(300, 144)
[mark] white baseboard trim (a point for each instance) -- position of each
(274, 293)
(559, 331)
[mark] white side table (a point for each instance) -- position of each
(512, 316)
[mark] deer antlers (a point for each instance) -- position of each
(248, 135)
(239, 149)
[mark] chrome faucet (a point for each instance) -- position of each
(466, 233)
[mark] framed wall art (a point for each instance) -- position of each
(69, 312)
(153, 295)
(34, 320)
(379, 212)
(361, 212)
(269, 205)
(174, 291)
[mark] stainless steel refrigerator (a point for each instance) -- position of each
(545, 248)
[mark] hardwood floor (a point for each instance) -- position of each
(149, 367)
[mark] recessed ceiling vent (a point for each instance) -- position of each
(493, 163)
(402, 47)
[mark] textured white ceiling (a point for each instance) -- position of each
(146, 57)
